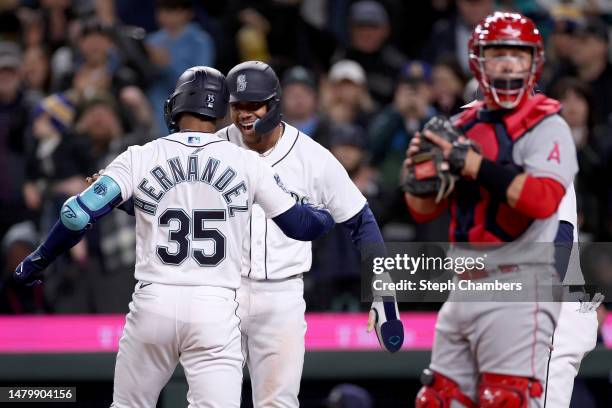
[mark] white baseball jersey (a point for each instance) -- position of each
(567, 212)
(193, 195)
(310, 173)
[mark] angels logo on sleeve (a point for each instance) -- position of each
(555, 154)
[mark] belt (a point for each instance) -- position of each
(473, 273)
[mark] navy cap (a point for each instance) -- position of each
(415, 72)
(299, 75)
(368, 12)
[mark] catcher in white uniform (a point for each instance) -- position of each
(576, 331)
(271, 302)
(193, 194)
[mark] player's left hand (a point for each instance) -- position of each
(461, 154)
(385, 319)
(30, 271)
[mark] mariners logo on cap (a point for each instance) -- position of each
(210, 100)
(241, 83)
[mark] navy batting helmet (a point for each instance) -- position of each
(256, 81)
(200, 91)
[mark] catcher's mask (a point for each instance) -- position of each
(504, 86)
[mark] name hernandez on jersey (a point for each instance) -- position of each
(175, 174)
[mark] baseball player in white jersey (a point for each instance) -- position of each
(193, 194)
(271, 302)
(576, 331)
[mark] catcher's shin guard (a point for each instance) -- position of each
(439, 391)
(507, 391)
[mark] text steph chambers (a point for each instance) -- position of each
(425, 285)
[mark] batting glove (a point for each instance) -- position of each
(385, 318)
(30, 271)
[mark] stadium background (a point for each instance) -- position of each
(82, 80)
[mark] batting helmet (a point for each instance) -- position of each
(200, 91)
(510, 30)
(256, 81)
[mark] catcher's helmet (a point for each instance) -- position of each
(510, 30)
(256, 81)
(200, 91)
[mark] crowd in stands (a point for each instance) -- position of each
(81, 80)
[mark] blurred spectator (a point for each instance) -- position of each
(392, 129)
(586, 6)
(33, 34)
(50, 25)
(594, 149)
(285, 33)
(129, 41)
(58, 161)
(252, 37)
(449, 37)
(448, 84)
(178, 45)
(369, 31)
(97, 67)
(560, 42)
(20, 240)
(15, 106)
(36, 71)
(345, 97)
(349, 396)
(300, 100)
(100, 122)
(589, 55)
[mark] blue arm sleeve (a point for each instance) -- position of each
(365, 233)
(77, 215)
(564, 242)
(304, 222)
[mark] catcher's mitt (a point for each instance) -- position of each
(431, 174)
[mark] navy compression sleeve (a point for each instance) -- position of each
(564, 242)
(304, 222)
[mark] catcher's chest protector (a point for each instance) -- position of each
(475, 215)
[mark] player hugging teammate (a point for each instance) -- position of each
(502, 168)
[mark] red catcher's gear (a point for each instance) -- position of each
(498, 390)
(511, 30)
(439, 391)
